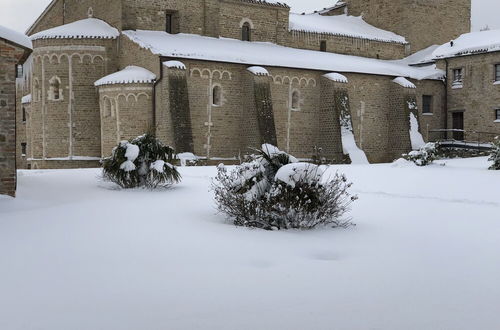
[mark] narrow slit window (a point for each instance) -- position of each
(322, 46)
(217, 96)
(246, 31)
(295, 100)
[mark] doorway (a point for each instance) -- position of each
(458, 126)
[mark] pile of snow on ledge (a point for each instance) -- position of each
(15, 37)
(90, 28)
(26, 99)
(130, 75)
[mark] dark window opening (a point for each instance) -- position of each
(23, 148)
(246, 32)
(295, 100)
(427, 104)
(497, 72)
(322, 46)
(217, 96)
(497, 114)
(169, 23)
(24, 114)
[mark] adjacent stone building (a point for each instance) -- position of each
(14, 49)
(218, 77)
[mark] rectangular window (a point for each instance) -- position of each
(23, 148)
(169, 23)
(322, 46)
(427, 104)
(24, 114)
(497, 114)
(458, 77)
(497, 72)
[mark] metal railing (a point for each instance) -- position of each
(459, 138)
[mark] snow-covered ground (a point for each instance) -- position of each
(425, 255)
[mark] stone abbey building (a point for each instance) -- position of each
(218, 77)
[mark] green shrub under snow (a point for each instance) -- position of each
(424, 156)
(274, 191)
(495, 155)
(141, 162)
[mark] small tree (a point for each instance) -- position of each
(424, 156)
(495, 155)
(274, 191)
(141, 162)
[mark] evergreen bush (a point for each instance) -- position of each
(141, 162)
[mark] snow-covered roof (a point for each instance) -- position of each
(421, 57)
(470, 43)
(89, 28)
(15, 37)
(258, 71)
(26, 99)
(342, 25)
(197, 47)
(403, 82)
(129, 75)
(337, 77)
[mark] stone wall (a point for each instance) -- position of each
(68, 128)
(10, 55)
(347, 45)
(480, 95)
(126, 113)
(422, 22)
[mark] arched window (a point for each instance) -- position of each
(55, 91)
(246, 30)
(217, 95)
(295, 100)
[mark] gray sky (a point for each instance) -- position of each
(19, 14)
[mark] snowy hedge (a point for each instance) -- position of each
(495, 155)
(274, 191)
(424, 156)
(141, 162)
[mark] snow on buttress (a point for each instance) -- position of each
(470, 43)
(130, 75)
(175, 65)
(417, 140)
(26, 99)
(258, 71)
(342, 25)
(350, 148)
(15, 37)
(333, 76)
(91, 28)
(403, 82)
(268, 54)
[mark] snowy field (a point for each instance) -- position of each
(425, 255)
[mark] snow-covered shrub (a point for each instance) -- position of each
(274, 191)
(495, 155)
(424, 156)
(141, 162)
